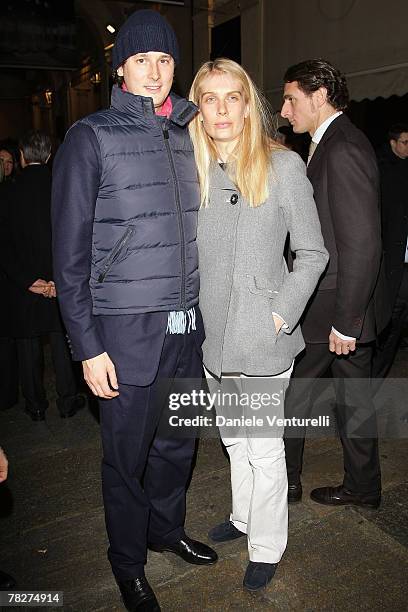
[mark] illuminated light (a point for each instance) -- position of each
(96, 78)
(110, 28)
(48, 96)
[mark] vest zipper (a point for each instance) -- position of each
(114, 254)
(180, 218)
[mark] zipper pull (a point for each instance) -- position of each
(166, 130)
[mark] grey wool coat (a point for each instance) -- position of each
(243, 274)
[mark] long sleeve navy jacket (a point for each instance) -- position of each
(133, 342)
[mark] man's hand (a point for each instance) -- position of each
(99, 373)
(52, 291)
(43, 287)
(39, 286)
(3, 466)
(339, 346)
(278, 323)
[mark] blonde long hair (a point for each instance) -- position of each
(252, 155)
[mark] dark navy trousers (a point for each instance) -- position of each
(144, 476)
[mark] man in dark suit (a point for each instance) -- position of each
(393, 166)
(125, 201)
(28, 264)
(348, 309)
(8, 348)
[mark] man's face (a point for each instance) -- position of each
(400, 146)
(150, 75)
(8, 162)
(299, 109)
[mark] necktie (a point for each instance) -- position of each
(312, 149)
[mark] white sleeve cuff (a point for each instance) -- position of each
(342, 336)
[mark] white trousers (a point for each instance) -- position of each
(260, 486)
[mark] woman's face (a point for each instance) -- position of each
(223, 108)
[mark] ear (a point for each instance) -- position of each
(320, 96)
(119, 71)
(246, 112)
(22, 160)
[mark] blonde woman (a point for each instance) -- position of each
(253, 193)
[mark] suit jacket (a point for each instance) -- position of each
(27, 255)
(351, 295)
(243, 273)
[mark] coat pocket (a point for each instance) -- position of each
(260, 285)
(115, 253)
(263, 291)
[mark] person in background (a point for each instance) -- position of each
(8, 349)
(9, 161)
(28, 264)
(349, 307)
(253, 193)
(7, 582)
(393, 166)
(125, 201)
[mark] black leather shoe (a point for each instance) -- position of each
(225, 532)
(258, 575)
(294, 493)
(190, 550)
(339, 496)
(7, 582)
(35, 415)
(69, 409)
(137, 595)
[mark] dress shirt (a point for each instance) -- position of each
(318, 135)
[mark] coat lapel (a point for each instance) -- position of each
(319, 152)
(219, 178)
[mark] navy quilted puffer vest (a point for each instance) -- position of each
(144, 253)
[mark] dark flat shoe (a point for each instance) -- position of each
(225, 532)
(258, 575)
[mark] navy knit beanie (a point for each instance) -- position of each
(142, 32)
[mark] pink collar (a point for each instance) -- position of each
(165, 110)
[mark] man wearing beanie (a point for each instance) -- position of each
(125, 201)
